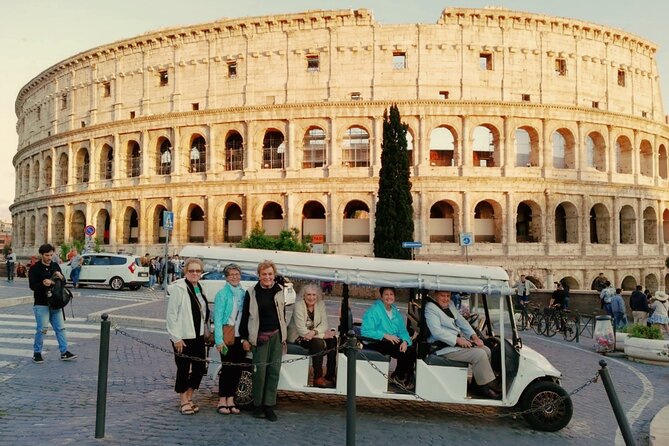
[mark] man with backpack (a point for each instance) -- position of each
(42, 277)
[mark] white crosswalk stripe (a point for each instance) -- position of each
(17, 336)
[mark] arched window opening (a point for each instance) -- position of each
(234, 151)
(527, 224)
(662, 161)
(134, 159)
(233, 228)
(313, 219)
(485, 228)
(442, 147)
(646, 158)
(272, 218)
(196, 226)
(48, 173)
(595, 149)
(442, 223)
(77, 225)
(62, 170)
(273, 150)
(650, 282)
(627, 225)
(485, 147)
(649, 226)
(600, 222)
(58, 229)
(628, 284)
(665, 226)
(570, 283)
(313, 150)
(106, 162)
(103, 223)
(198, 155)
(355, 148)
(83, 166)
(356, 222)
(623, 155)
(566, 223)
(164, 156)
(35, 182)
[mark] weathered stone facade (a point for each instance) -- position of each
(543, 136)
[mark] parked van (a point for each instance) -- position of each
(115, 270)
(529, 382)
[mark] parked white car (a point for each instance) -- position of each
(115, 270)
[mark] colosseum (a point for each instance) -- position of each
(544, 137)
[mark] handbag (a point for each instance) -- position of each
(208, 335)
(228, 335)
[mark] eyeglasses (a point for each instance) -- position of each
(196, 271)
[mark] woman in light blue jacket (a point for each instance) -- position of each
(228, 306)
(384, 323)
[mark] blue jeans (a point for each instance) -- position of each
(10, 271)
(152, 280)
(43, 316)
(74, 275)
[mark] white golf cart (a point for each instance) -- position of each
(529, 381)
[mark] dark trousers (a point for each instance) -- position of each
(189, 371)
(317, 345)
(228, 380)
(405, 361)
(10, 271)
(267, 361)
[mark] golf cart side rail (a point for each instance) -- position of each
(355, 270)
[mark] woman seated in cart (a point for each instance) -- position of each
(384, 323)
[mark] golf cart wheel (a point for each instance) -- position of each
(244, 394)
(116, 283)
(551, 408)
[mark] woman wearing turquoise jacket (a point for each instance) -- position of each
(384, 323)
(228, 307)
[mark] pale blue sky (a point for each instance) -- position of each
(35, 34)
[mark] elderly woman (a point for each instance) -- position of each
(660, 311)
(228, 306)
(309, 328)
(263, 331)
(187, 323)
(384, 323)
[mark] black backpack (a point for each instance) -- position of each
(58, 296)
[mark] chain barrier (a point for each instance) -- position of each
(545, 406)
(120, 331)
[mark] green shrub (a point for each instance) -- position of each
(644, 332)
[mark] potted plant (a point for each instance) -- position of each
(645, 344)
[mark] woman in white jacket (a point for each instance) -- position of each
(187, 324)
(309, 328)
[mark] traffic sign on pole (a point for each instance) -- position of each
(89, 230)
(168, 220)
(466, 239)
(412, 245)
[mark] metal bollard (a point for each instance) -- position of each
(103, 366)
(351, 353)
(615, 404)
(578, 327)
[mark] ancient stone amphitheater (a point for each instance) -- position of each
(543, 137)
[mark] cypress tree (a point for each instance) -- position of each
(394, 210)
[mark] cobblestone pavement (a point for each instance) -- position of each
(55, 402)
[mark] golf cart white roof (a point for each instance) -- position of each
(354, 270)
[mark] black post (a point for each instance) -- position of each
(351, 353)
(615, 404)
(103, 366)
(578, 327)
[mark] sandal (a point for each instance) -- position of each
(234, 410)
(223, 410)
(186, 409)
(195, 407)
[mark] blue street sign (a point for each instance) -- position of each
(466, 239)
(89, 230)
(168, 220)
(411, 244)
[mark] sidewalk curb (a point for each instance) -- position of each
(12, 301)
(129, 321)
(659, 428)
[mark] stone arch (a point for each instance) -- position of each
(158, 232)
(487, 222)
(566, 223)
(627, 225)
(649, 226)
(356, 222)
(314, 219)
(600, 224)
(106, 162)
(646, 158)
(197, 153)
(443, 222)
(665, 225)
(535, 280)
(628, 283)
(651, 283)
(234, 151)
(197, 232)
(528, 222)
(31, 232)
(164, 156)
(355, 147)
(130, 232)
(233, 225)
(526, 139)
(77, 224)
(662, 161)
(624, 162)
(570, 283)
(272, 218)
(273, 149)
(62, 178)
(314, 148)
(443, 146)
(48, 172)
(485, 146)
(103, 226)
(564, 153)
(43, 229)
(82, 165)
(595, 148)
(134, 159)
(35, 182)
(58, 229)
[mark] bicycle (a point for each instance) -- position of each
(560, 320)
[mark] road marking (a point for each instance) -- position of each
(32, 324)
(32, 318)
(70, 333)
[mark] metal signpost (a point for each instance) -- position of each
(466, 240)
(168, 225)
(412, 246)
(89, 231)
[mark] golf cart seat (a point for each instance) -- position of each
(296, 349)
(444, 362)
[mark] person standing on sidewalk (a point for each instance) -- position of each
(75, 263)
(11, 261)
(263, 331)
(639, 305)
(39, 278)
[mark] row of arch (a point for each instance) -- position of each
(444, 225)
(627, 283)
(444, 144)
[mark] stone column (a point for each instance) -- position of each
(117, 160)
(93, 96)
(585, 224)
(71, 170)
(465, 155)
(510, 220)
(213, 152)
(375, 154)
(250, 149)
(67, 216)
(147, 75)
(635, 157)
(581, 158)
(117, 77)
(640, 227)
(289, 217)
(549, 223)
(467, 215)
(334, 151)
(615, 239)
(248, 213)
(180, 155)
(115, 222)
(290, 155)
(611, 153)
(145, 171)
(331, 235)
(507, 148)
(421, 145)
(548, 148)
(422, 223)
(49, 226)
(210, 222)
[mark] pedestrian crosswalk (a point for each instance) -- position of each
(17, 333)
